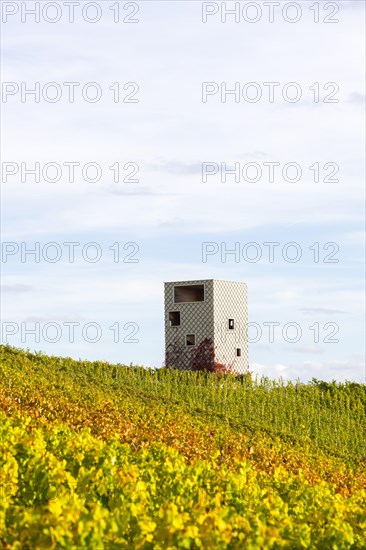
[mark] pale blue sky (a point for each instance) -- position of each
(170, 212)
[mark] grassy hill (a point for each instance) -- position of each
(110, 457)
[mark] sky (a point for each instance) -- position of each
(187, 132)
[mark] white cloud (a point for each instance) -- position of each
(339, 370)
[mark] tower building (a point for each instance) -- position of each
(209, 308)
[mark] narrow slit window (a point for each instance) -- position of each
(238, 352)
(191, 339)
(231, 324)
(174, 318)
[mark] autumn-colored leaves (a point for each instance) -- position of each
(112, 457)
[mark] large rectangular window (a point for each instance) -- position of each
(189, 293)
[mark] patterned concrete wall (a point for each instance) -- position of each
(195, 318)
(230, 302)
(223, 300)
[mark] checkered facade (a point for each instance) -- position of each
(223, 300)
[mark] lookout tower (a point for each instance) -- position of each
(209, 308)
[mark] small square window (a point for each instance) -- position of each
(191, 339)
(238, 352)
(174, 318)
(231, 324)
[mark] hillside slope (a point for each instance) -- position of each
(107, 457)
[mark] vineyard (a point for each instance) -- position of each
(100, 456)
